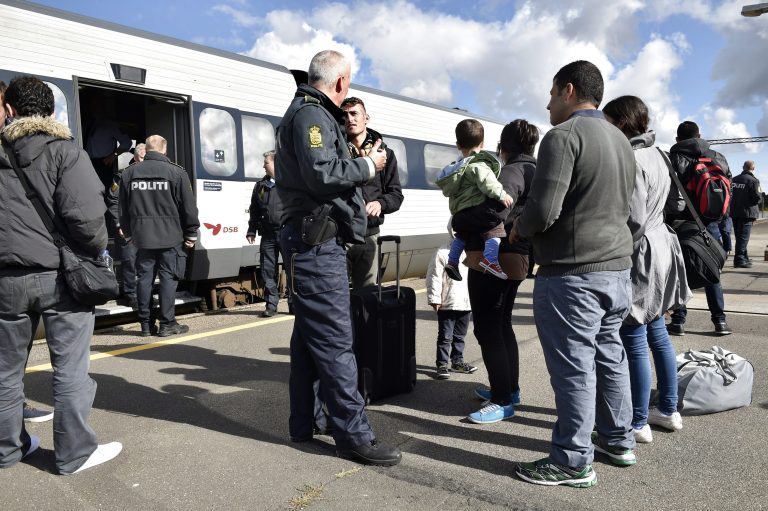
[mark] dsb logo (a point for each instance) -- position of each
(218, 228)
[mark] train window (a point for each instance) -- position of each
(218, 142)
(258, 138)
(60, 104)
(398, 147)
(435, 158)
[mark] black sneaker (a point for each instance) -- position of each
(268, 313)
(372, 453)
(463, 367)
(746, 264)
(175, 329)
(452, 270)
(722, 328)
(675, 329)
(442, 372)
(32, 414)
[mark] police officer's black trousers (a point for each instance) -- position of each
(321, 344)
(163, 262)
(269, 250)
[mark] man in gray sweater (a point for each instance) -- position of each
(576, 217)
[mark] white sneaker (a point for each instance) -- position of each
(643, 435)
(34, 443)
(102, 454)
(672, 422)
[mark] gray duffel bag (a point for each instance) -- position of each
(712, 380)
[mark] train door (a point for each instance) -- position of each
(138, 113)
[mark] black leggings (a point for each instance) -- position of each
(492, 300)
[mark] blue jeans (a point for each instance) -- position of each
(742, 229)
(637, 339)
(321, 343)
(714, 293)
(578, 319)
(725, 226)
(29, 296)
(451, 329)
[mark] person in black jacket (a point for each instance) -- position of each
(265, 213)
(382, 194)
(31, 285)
(744, 211)
(689, 147)
(158, 214)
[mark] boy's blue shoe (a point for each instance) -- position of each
(485, 394)
(491, 413)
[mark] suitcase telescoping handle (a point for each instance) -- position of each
(379, 241)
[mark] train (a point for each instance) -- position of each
(218, 111)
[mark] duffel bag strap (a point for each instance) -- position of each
(681, 189)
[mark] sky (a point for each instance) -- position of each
(694, 60)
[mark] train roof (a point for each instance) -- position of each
(108, 25)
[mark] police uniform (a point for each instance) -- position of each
(124, 251)
(313, 169)
(265, 214)
(158, 213)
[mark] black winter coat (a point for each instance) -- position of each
(157, 206)
(746, 195)
(266, 209)
(63, 176)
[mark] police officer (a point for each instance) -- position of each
(158, 214)
(322, 209)
(381, 195)
(265, 213)
(123, 250)
(744, 211)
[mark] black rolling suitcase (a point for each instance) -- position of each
(384, 325)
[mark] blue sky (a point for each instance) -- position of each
(688, 59)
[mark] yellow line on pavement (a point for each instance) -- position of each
(178, 340)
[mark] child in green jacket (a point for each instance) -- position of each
(477, 199)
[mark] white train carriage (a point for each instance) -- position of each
(218, 111)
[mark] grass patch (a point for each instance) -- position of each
(345, 473)
(307, 495)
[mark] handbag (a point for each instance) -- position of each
(91, 281)
(713, 380)
(703, 255)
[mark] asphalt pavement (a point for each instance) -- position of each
(203, 419)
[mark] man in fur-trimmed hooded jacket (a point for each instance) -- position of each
(31, 286)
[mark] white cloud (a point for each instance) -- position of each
(722, 123)
(239, 16)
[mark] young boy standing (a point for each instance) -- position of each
(477, 199)
(451, 301)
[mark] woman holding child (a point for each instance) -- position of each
(492, 298)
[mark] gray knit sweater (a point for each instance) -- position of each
(577, 210)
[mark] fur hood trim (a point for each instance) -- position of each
(35, 125)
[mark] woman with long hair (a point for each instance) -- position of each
(658, 275)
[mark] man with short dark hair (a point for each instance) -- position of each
(158, 214)
(744, 211)
(576, 217)
(382, 194)
(683, 155)
(265, 213)
(319, 186)
(31, 284)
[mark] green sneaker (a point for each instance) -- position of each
(616, 455)
(549, 473)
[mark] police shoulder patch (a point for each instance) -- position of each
(315, 137)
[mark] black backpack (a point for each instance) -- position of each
(709, 189)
